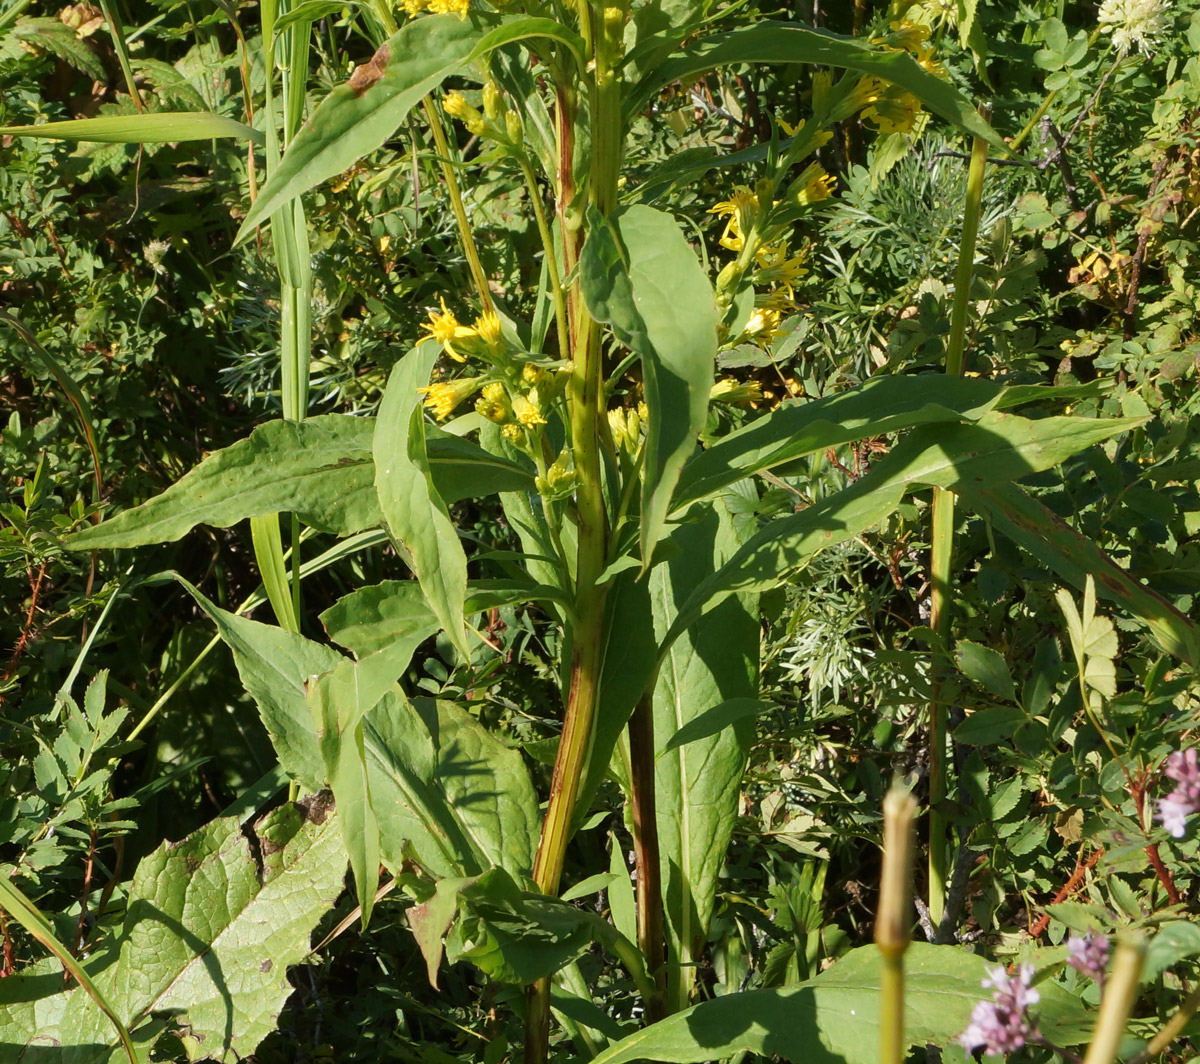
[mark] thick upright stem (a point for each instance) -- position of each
(651, 940)
(587, 413)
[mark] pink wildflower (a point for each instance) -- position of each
(1183, 766)
(1002, 1025)
(1088, 954)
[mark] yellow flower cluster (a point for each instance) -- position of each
(412, 8)
(741, 210)
(891, 109)
(625, 425)
(728, 390)
(482, 340)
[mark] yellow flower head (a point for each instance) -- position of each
(493, 403)
(741, 210)
(729, 390)
(812, 186)
(616, 425)
(412, 8)
(763, 326)
(449, 7)
(895, 112)
(488, 327)
(525, 407)
(443, 396)
(445, 329)
(512, 432)
(456, 106)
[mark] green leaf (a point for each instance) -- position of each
(788, 42)
(53, 36)
(986, 668)
(338, 701)
(713, 721)
(382, 625)
(161, 127)
(1171, 943)
(489, 791)
(274, 666)
(833, 1019)
(210, 929)
(443, 782)
(985, 727)
(414, 512)
(796, 429)
(320, 469)
(74, 394)
(995, 448)
(697, 784)
(639, 274)
(21, 909)
(1073, 557)
(353, 121)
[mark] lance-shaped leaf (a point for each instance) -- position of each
(639, 274)
(834, 1019)
(1073, 556)
(415, 513)
(320, 469)
(274, 665)
(162, 127)
(789, 42)
(996, 448)
(795, 429)
(357, 117)
(698, 783)
(210, 928)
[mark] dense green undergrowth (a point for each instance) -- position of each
(656, 439)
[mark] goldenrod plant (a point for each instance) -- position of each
(625, 518)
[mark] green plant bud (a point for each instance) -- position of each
(512, 125)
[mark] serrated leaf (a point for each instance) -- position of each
(993, 725)
(986, 668)
(204, 940)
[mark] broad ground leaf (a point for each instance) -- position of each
(1073, 556)
(639, 274)
(320, 469)
(211, 927)
(788, 42)
(698, 783)
(996, 448)
(414, 512)
(833, 1019)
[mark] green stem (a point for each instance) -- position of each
(119, 46)
(942, 546)
(478, 276)
(558, 297)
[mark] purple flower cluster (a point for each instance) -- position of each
(1183, 767)
(1088, 954)
(1002, 1025)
